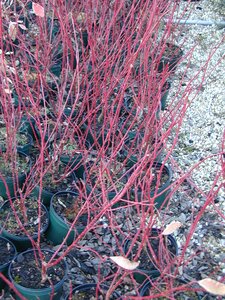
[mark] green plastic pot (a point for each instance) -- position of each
(13, 183)
(22, 242)
(161, 193)
(140, 274)
(4, 267)
(73, 162)
(45, 195)
(68, 113)
(38, 294)
(59, 228)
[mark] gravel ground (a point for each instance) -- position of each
(200, 138)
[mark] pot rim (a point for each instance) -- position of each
(44, 289)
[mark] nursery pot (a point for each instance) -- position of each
(74, 163)
(7, 254)
(164, 95)
(147, 268)
(47, 194)
(59, 225)
(145, 291)
(161, 193)
(15, 182)
(135, 141)
(22, 242)
(89, 289)
(97, 136)
(28, 125)
(74, 160)
(24, 141)
(170, 58)
(50, 134)
(26, 148)
(26, 277)
(94, 187)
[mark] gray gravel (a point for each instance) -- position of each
(200, 142)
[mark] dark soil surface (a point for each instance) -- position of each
(91, 294)
(67, 206)
(57, 179)
(166, 286)
(21, 138)
(7, 252)
(154, 253)
(26, 271)
(149, 177)
(27, 213)
(8, 166)
(112, 177)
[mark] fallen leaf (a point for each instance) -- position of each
(38, 10)
(212, 286)
(81, 17)
(22, 26)
(12, 30)
(125, 263)
(7, 91)
(173, 226)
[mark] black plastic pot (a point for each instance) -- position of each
(59, 227)
(5, 257)
(44, 293)
(170, 58)
(96, 138)
(27, 147)
(28, 125)
(58, 58)
(22, 242)
(145, 291)
(141, 274)
(135, 140)
(111, 192)
(50, 134)
(164, 95)
(89, 288)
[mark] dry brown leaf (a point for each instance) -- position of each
(22, 26)
(173, 226)
(7, 91)
(38, 10)
(12, 30)
(81, 17)
(212, 286)
(124, 262)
